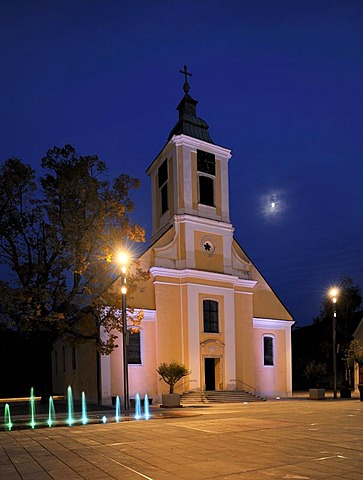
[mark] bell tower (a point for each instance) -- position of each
(190, 174)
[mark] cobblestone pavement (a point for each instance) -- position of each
(278, 439)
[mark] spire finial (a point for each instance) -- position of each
(186, 86)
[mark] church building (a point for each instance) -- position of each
(205, 304)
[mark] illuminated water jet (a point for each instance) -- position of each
(32, 408)
(137, 407)
(118, 409)
(147, 414)
(7, 417)
(84, 409)
(70, 419)
(51, 412)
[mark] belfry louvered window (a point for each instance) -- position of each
(206, 166)
(163, 185)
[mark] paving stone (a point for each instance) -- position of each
(289, 439)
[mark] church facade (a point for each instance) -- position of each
(205, 304)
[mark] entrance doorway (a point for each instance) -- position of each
(211, 370)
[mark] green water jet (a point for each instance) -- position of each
(51, 414)
(32, 408)
(7, 417)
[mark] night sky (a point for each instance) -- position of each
(279, 82)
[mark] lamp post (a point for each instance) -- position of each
(123, 262)
(333, 295)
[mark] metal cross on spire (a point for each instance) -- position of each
(186, 86)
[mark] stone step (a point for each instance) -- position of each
(190, 398)
(222, 396)
(237, 396)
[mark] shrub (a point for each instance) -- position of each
(315, 374)
(172, 372)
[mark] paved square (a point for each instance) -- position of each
(285, 439)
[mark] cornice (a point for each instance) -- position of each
(195, 143)
(183, 218)
(275, 324)
(202, 275)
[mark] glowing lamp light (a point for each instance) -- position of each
(333, 294)
(123, 289)
(123, 259)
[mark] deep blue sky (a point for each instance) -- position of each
(279, 82)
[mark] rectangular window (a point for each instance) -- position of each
(164, 198)
(64, 358)
(56, 362)
(210, 316)
(74, 365)
(268, 351)
(163, 185)
(206, 190)
(163, 173)
(134, 349)
(206, 162)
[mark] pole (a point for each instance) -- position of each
(124, 342)
(335, 350)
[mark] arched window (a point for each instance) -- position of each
(210, 316)
(268, 350)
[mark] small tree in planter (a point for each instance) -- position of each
(316, 374)
(171, 373)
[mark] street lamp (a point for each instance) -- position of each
(333, 295)
(123, 260)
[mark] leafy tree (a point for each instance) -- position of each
(314, 343)
(58, 235)
(348, 302)
(315, 374)
(172, 372)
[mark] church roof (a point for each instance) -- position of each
(188, 123)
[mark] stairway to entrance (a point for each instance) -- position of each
(219, 396)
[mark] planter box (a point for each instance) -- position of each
(133, 401)
(317, 393)
(170, 400)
